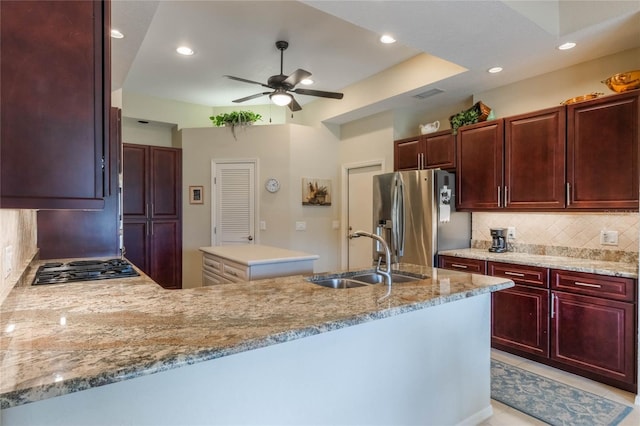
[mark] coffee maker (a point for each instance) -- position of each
(498, 240)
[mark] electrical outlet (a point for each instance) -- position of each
(7, 261)
(263, 225)
(608, 238)
(511, 232)
(301, 226)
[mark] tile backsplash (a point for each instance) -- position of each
(577, 232)
(18, 230)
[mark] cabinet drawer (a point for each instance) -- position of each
(463, 264)
(211, 264)
(616, 288)
(235, 272)
(520, 274)
(212, 279)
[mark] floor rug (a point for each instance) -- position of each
(551, 401)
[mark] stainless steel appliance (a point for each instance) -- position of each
(498, 240)
(414, 211)
(83, 270)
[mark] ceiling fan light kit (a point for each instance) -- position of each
(282, 85)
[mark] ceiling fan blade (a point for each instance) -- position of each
(248, 98)
(320, 93)
(294, 105)
(244, 80)
(296, 77)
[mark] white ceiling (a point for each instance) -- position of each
(338, 42)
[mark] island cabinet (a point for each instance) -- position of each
(594, 326)
(232, 264)
(430, 151)
(152, 211)
(602, 147)
(516, 163)
(55, 100)
(520, 314)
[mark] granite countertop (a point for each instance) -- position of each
(255, 254)
(63, 338)
(616, 269)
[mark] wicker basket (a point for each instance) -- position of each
(483, 110)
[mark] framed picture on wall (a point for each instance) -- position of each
(196, 195)
(316, 192)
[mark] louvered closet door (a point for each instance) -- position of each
(234, 204)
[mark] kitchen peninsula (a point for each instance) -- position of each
(274, 351)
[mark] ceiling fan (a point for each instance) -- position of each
(282, 85)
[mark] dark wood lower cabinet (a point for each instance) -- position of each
(594, 335)
(520, 320)
(579, 322)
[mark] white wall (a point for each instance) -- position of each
(286, 152)
(151, 133)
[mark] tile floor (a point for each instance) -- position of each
(504, 415)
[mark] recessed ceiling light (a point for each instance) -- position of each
(494, 70)
(567, 46)
(387, 39)
(306, 81)
(116, 34)
(184, 50)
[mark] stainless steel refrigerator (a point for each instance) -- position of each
(414, 211)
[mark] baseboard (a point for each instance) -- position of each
(478, 417)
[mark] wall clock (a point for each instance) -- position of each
(272, 185)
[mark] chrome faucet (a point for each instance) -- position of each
(387, 254)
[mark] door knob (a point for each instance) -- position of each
(250, 238)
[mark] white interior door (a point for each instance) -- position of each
(233, 202)
(360, 214)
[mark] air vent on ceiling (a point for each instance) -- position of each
(428, 93)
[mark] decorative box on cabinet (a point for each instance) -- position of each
(602, 153)
(430, 151)
(520, 314)
(594, 326)
(55, 100)
(152, 207)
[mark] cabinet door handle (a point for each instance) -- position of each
(568, 194)
(506, 197)
(587, 285)
(457, 265)
(553, 305)
(499, 196)
(418, 160)
(514, 274)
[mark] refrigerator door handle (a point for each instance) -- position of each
(398, 223)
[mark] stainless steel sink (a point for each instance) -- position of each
(373, 278)
(361, 280)
(338, 283)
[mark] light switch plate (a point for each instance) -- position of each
(301, 226)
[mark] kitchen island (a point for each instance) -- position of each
(274, 351)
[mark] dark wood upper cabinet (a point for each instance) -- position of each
(534, 166)
(430, 151)
(55, 100)
(602, 153)
(480, 149)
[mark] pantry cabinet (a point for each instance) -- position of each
(152, 211)
(430, 151)
(602, 147)
(55, 100)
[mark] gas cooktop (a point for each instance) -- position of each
(83, 270)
